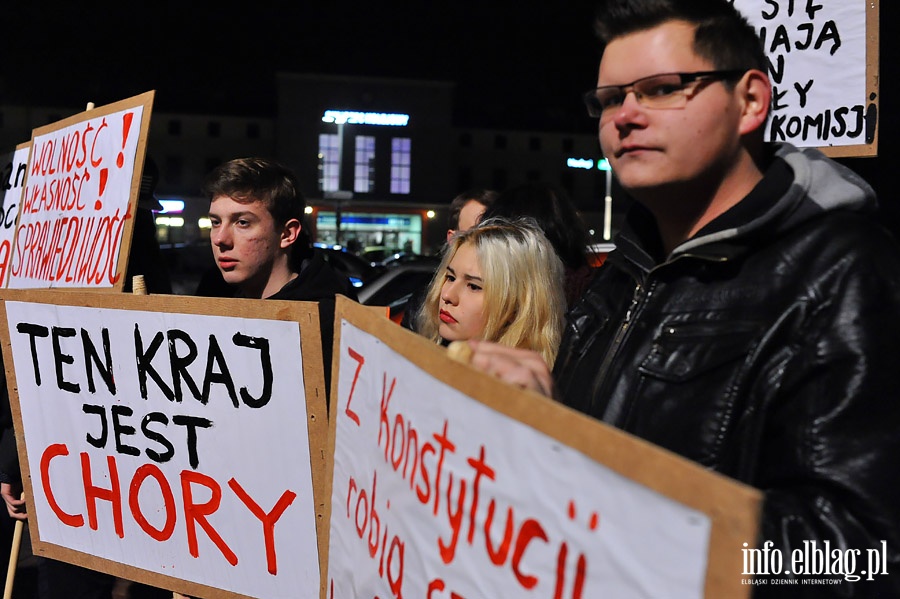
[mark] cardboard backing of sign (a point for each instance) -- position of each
(129, 134)
(873, 95)
(732, 508)
(305, 314)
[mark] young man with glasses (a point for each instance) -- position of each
(750, 318)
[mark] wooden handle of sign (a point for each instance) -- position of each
(13, 557)
(460, 351)
(138, 287)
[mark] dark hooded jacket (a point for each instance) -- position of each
(765, 348)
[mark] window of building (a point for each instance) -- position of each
(252, 130)
(174, 127)
(364, 171)
(211, 163)
(174, 170)
(567, 182)
(329, 162)
(214, 129)
(534, 144)
(401, 161)
(464, 178)
(499, 179)
(500, 142)
(568, 144)
(465, 140)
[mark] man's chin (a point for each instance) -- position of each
(232, 277)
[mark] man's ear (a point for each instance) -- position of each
(755, 91)
(450, 233)
(290, 232)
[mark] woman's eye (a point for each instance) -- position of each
(474, 287)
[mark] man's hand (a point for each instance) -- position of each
(12, 495)
(520, 367)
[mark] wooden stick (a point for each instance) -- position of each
(138, 287)
(13, 557)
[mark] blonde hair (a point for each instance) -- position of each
(522, 284)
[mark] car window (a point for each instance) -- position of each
(402, 285)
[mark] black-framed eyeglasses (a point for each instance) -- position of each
(666, 90)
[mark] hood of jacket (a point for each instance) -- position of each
(818, 184)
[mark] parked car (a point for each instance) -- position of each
(357, 269)
(375, 254)
(394, 286)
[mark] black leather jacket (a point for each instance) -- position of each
(766, 348)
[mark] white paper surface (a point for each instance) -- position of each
(566, 512)
(263, 450)
(12, 184)
(817, 52)
(76, 202)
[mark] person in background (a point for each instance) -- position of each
(749, 318)
(501, 281)
(466, 209)
(260, 247)
(557, 216)
(464, 213)
(145, 257)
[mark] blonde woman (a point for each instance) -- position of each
(500, 281)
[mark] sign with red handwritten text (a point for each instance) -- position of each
(439, 491)
(823, 65)
(80, 197)
(13, 174)
(171, 443)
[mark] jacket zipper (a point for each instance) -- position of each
(638, 298)
(617, 340)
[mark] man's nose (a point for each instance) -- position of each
(629, 111)
(220, 237)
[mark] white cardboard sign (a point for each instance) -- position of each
(173, 443)
(817, 51)
(13, 174)
(435, 494)
(77, 200)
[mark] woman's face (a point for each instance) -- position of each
(462, 297)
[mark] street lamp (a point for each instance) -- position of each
(603, 165)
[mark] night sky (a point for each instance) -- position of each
(516, 65)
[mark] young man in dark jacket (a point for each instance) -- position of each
(260, 248)
(750, 317)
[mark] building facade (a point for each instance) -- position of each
(377, 159)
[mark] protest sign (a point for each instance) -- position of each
(175, 441)
(76, 213)
(13, 174)
(448, 483)
(823, 64)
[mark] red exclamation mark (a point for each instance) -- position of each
(104, 175)
(120, 159)
(126, 127)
